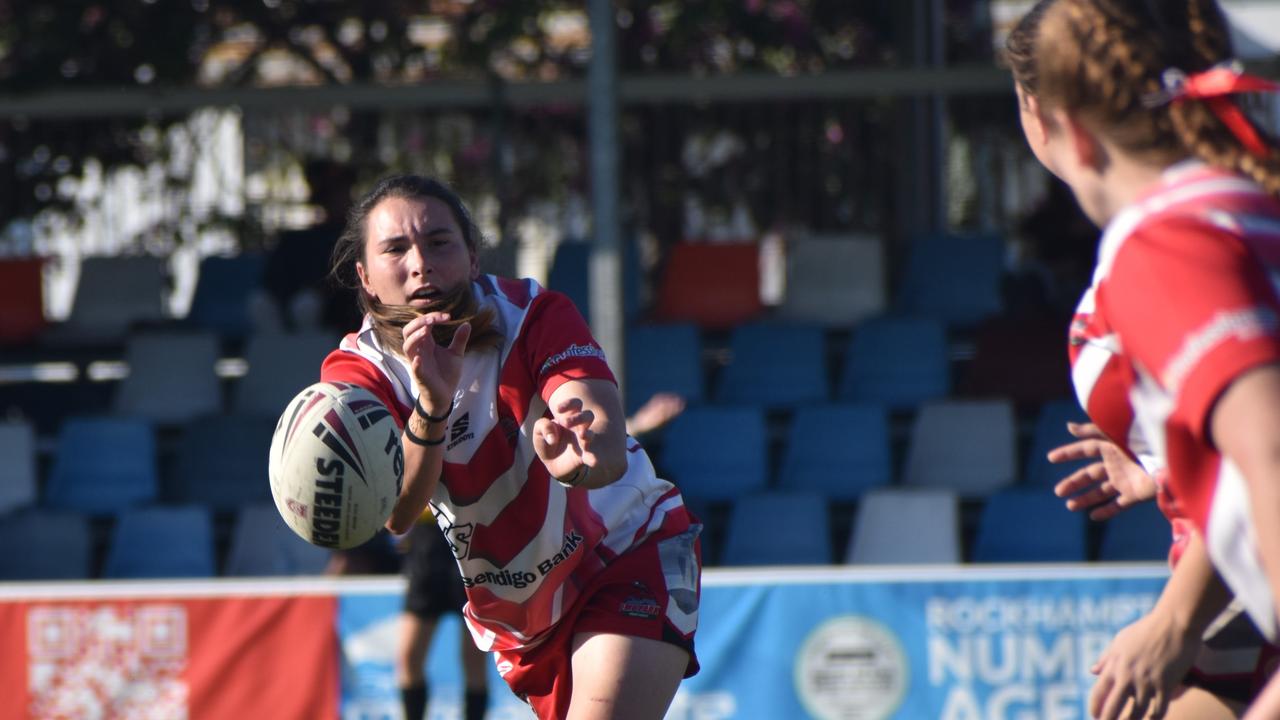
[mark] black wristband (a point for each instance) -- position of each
(417, 407)
(578, 477)
(424, 442)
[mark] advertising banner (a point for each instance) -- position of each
(953, 644)
(169, 658)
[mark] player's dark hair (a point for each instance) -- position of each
(1099, 59)
(389, 320)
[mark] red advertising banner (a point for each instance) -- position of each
(156, 658)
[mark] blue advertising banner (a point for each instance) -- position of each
(955, 643)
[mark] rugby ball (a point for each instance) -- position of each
(336, 464)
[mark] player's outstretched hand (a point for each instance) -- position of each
(1142, 668)
(1106, 487)
(563, 442)
(436, 367)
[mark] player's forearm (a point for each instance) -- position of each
(422, 467)
(1194, 594)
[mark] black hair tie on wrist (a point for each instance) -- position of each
(417, 407)
(424, 442)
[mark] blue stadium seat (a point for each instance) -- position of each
(221, 463)
(103, 465)
(900, 362)
(663, 358)
(161, 542)
(778, 529)
(896, 526)
(839, 451)
(968, 446)
(954, 278)
(44, 545)
(113, 294)
(775, 366)
(221, 299)
(1139, 533)
(262, 545)
(171, 377)
(280, 365)
(716, 453)
(570, 273)
(1020, 525)
(1051, 432)
(18, 470)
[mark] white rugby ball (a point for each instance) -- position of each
(336, 464)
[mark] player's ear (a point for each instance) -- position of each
(364, 280)
(1082, 142)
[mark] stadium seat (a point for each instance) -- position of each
(221, 462)
(953, 278)
(103, 465)
(716, 453)
(21, 299)
(710, 285)
(1023, 358)
(1139, 533)
(834, 281)
(778, 529)
(261, 544)
(161, 542)
(775, 366)
(570, 273)
(663, 358)
(897, 527)
(221, 300)
(1019, 525)
(18, 469)
(967, 446)
(112, 295)
(171, 377)
(900, 362)
(840, 451)
(279, 366)
(1051, 432)
(45, 545)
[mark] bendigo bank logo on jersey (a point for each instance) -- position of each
(523, 578)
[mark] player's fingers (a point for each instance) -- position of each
(1159, 704)
(1105, 511)
(575, 419)
(460, 337)
(568, 405)
(546, 435)
(1078, 450)
(1141, 700)
(1097, 495)
(1085, 477)
(1100, 694)
(1116, 699)
(1086, 430)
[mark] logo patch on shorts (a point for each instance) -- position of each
(645, 608)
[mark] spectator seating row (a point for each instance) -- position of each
(719, 452)
(892, 526)
(153, 542)
(833, 281)
(107, 464)
(897, 361)
(920, 526)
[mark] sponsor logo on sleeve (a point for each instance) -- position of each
(573, 351)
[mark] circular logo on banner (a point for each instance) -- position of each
(851, 668)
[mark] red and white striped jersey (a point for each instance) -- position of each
(524, 543)
(1183, 300)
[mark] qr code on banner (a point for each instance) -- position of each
(109, 661)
